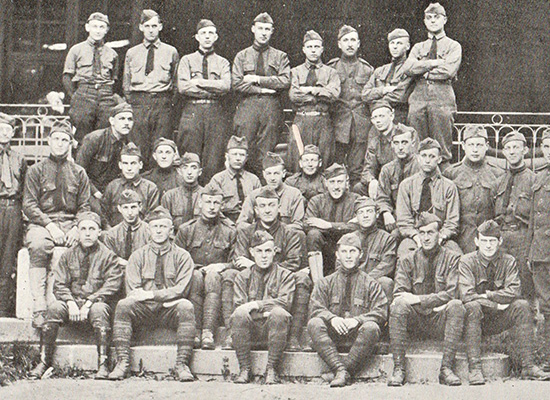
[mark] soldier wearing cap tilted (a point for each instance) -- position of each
(149, 84)
(86, 280)
(210, 238)
(475, 177)
(234, 181)
(389, 82)
(164, 174)
(347, 309)
(512, 196)
(434, 64)
(378, 246)
(89, 74)
(159, 279)
(327, 218)
(130, 164)
(350, 114)
(260, 74)
(183, 202)
(427, 190)
(489, 286)
(314, 86)
(13, 168)
(204, 78)
(310, 178)
(56, 190)
(99, 152)
(263, 296)
(426, 292)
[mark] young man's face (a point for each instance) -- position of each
(160, 230)
(88, 233)
(60, 144)
(130, 166)
(274, 176)
(349, 44)
(475, 149)
(262, 32)
(313, 49)
(97, 30)
(429, 236)
(310, 164)
(210, 206)
(122, 123)
(399, 47)
(348, 256)
(236, 158)
(164, 156)
(206, 38)
(267, 210)
(545, 147)
(487, 245)
(514, 152)
(130, 212)
(191, 172)
(151, 29)
(434, 22)
(429, 160)
(382, 118)
(264, 254)
(366, 217)
(336, 186)
(6, 133)
(402, 145)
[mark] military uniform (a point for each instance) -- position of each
(227, 182)
(165, 179)
(123, 239)
(182, 203)
(309, 186)
(93, 68)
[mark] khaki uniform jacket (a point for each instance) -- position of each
(328, 88)
(373, 90)
(338, 212)
(379, 253)
(540, 217)
(219, 76)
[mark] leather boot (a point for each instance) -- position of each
(183, 373)
(448, 377)
(271, 377)
(102, 337)
(228, 342)
(121, 336)
(48, 335)
(244, 376)
(398, 375)
(535, 373)
(183, 356)
(208, 340)
(341, 378)
(299, 317)
(475, 376)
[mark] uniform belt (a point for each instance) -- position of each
(150, 94)
(8, 202)
(431, 82)
(96, 85)
(311, 113)
(510, 227)
(203, 101)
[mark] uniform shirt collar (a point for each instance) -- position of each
(309, 64)
(134, 227)
(439, 36)
(156, 43)
(93, 43)
(135, 182)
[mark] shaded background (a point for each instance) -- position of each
(504, 43)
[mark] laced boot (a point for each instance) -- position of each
(448, 377)
(475, 376)
(48, 336)
(122, 336)
(102, 337)
(208, 340)
(271, 377)
(245, 376)
(398, 375)
(341, 378)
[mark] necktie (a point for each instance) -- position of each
(508, 192)
(188, 215)
(260, 68)
(96, 67)
(333, 209)
(346, 304)
(425, 196)
(150, 64)
(6, 171)
(391, 72)
(311, 79)
(261, 286)
(159, 271)
(432, 55)
(240, 191)
(430, 274)
(85, 267)
(128, 243)
(58, 198)
(490, 276)
(205, 66)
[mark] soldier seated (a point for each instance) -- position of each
(489, 286)
(310, 180)
(86, 280)
(347, 309)
(164, 174)
(263, 297)
(426, 283)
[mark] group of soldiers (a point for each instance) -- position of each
(327, 258)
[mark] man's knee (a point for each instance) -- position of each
(57, 311)
(240, 316)
(185, 308)
(315, 325)
(387, 286)
(406, 246)
(314, 240)
(302, 279)
(400, 307)
(100, 310)
(473, 310)
(456, 309)
(125, 306)
(361, 189)
(453, 246)
(279, 314)
(212, 282)
(521, 311)
(197, 283)
(229, 275)
(370, 329)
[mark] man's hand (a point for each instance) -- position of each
(388, 89)
(267, 91)
(141, 295)
(122, 262)
(502, 306)
(216, 267)
(249, 307)
(84, 311)
(308, 90)
(373, 189)
(242, 262)
(351, 323)
(408, 297)
(440, 308)
(98, 195)
(436, 63)
(58, 236)
(389, 221)
(71, 237)
(74, 312)
(255, 79)
(318, 223)
(339, 324)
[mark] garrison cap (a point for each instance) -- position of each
(435, 8)
(398, 33)
(545, 134)
(428, 144)
(335, 170)
(362, 202)
(350, 239)
(344, 30)
(312, 35)
(88, 216)
(264, 18)
(427, 218)
(514, 136)
(130, 149)
(7, 119)
(162, 141)
(62, 127)
(380, 104)
(97, 16)
(272, 160)
(120, 108)
(236, 142)
(159, 213)
(205, 23)
(146, 15)
(400, 129)
(128, 196)
(474, 131)
(189, 158)
(489, 228)
(311, 149)
(267, 193)
(211, 190)
(261, 237)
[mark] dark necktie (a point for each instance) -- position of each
(189, 205)
(58, 198)
(333, 210)
(96, 66)
(260, 66)
(205, 66)
(240, 191)
(261, 286)
(430, 274)
(426, 196)
(508, 192)
(159, 271)
(128, 243)
(311, 79)
(346, 303)
(391, 72)
(491, 276)
(85, 267)
(432, 55)
(150, 64)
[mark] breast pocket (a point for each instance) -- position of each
(72, 197)
(523, 207)
(249, 68)
(137, 73)
(335, 304)
(418, 284)
(148, 276)
(273, 68)
(361, 305)
(107, 66)
(165, 75)
(361, 80)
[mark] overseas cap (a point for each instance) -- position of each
(312, 35)
(159, 213)
(261, 237)
(380, 104)
(97, 16)
(344, 30)
(161, 141)
(272, 160)
(236, 142)
(130, 149)
(427, 218)
(398, 33)
(311, 149)
(189, 158)
(7, 119)
(362, 202)
(146, 15)
(428, 144)
(264, 18)
(489, 228)
(512, 137)
(88, 216)
(205, 23)
(335, 170)
(129, 196)
(120, 108)
(400, 129)
(474, 131)
(211, 190)
(350, 239)
(435, 8)
(62, 127)
(267, 193)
